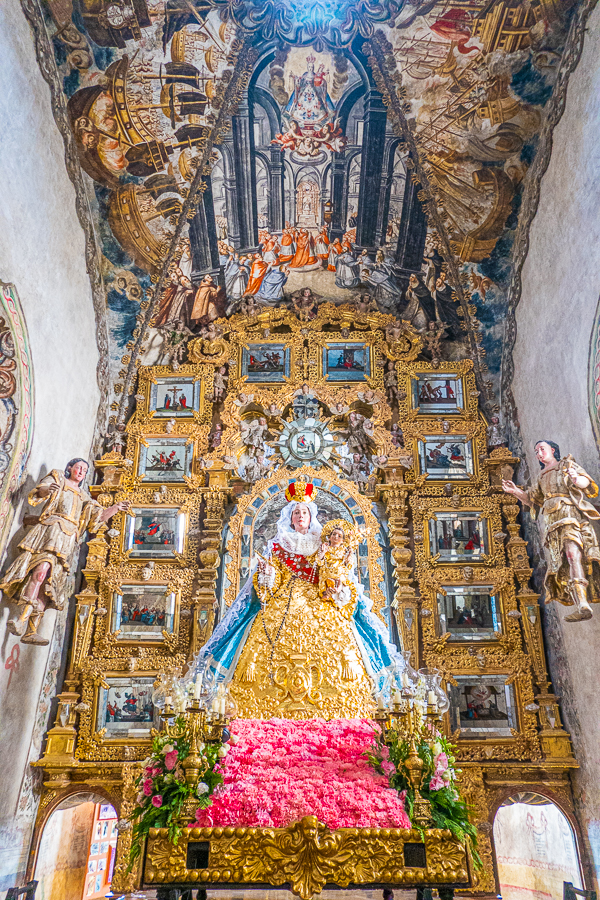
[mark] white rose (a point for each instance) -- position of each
(147, 762)
(168, 748)
(202, 788)
(437, 748)
(233, 740)
(223, 751)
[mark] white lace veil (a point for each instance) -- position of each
(290, 539)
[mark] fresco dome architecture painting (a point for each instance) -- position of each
(299, 456)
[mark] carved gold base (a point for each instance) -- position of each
(306, 856)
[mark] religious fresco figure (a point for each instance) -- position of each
(302, 611)
(49, 547)
(562, 494)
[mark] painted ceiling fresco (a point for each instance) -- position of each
(243, 153)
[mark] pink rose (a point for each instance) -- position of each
(157, 801)
(388, 768)
(156, 771)
(436, 783)
(171, 760)
(147, 787)
(441, 762)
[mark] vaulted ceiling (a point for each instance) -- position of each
(465, 89)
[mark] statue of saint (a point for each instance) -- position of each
(561, 494)
(301, 640)
(48, 549)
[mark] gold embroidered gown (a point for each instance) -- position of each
(301, 659)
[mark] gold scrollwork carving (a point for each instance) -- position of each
(307, 856)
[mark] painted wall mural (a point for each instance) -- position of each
(16, 402)
(370, 153)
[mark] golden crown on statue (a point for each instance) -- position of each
(301, 492)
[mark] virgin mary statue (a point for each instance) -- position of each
(301, 640)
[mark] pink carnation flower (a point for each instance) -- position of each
(280, 770)
(436, 783)
(171, 760)
(147, 787)
(157, 800)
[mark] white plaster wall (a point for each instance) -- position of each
(561, 287)
(42, 254)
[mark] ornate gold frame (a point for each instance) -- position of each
(168, 639)
(371, 527)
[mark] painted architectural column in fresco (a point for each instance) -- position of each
(203, 239)
(371, 165)
(245, 173)
(383, 207)
(276, 190)
(230, 189)
(413, 230)
(339, 195)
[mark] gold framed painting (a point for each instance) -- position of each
(155, 532)
(123, 708)
(143, 612)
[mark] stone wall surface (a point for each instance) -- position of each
(42, 252)
(555, 315)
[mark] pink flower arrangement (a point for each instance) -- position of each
(280, 770)
(171, 760)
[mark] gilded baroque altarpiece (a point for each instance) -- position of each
(396, 444)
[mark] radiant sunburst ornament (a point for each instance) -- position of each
(306, 442)
(320, 24)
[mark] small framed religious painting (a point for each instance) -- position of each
(175, 397)
(165, 459)
(482, 705)
(434, 394)
(458, 536)
(446, 458)
(265, 363)
(154, 532)
(142, 612)
(469, 613)
(346, 361)
(125, 708)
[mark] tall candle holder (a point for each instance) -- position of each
(410, 706)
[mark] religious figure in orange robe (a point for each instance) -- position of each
(286, 247)
(322, 244)
(258, 270)
(334, 250)
(206, 302)
(305, 254)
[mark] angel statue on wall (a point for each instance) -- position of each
(49, 547)
(562, 494)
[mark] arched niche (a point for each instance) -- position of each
(254, 522)
(536, 848)
(75, 847)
